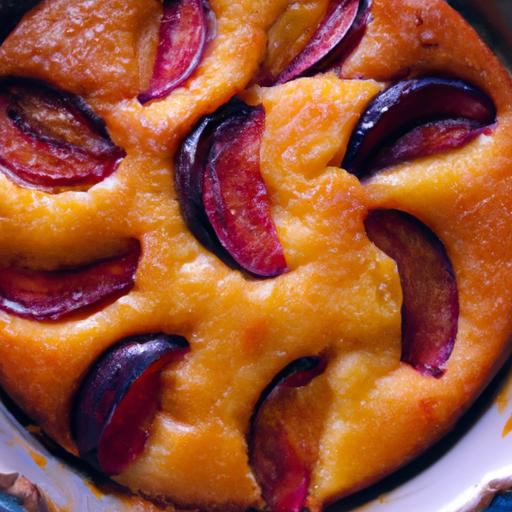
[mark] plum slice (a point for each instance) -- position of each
(184, 32)
(416, 118)
(337, 35)
(430, 308)
(51, 295)
(279, 455)
(235, 197)
(222, 194)
(191, 162)
(51, 138)
(118, 399)
(426, 140)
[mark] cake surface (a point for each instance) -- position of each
(332, 296)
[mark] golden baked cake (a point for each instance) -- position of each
(253, 253)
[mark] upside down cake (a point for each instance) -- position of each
(253, 253)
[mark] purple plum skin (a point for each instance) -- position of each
(108, 382)
(213, 223)
(11, 12)
(285, 487)
(430, 308)
(35, 156)
(182, 20)
(235, 197)
(190, 164)
(56, 294)
(408, 104)
(335, 39)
